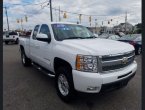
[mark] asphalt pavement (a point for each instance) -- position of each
(25, 88)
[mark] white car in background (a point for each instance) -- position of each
(113, 37)
(96, 35)
(109, 36)
(11, 37)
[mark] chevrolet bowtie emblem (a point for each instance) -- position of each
(124, 60)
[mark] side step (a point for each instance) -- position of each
(45, 71)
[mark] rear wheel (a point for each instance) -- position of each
(6, 42)
(25, 61)
(64, 84)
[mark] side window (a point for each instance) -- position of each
(35, 31)
(45, 30)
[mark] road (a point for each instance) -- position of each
(25, 88)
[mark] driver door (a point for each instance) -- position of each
(44, 52)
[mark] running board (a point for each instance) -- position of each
(46, 72)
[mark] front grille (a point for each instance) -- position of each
(114, 57)
(116, 61)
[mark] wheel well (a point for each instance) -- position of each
(60, 62)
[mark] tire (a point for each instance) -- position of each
(64, 80)
(138, 51)
(6, 42)
(25, 61)
(17, 41)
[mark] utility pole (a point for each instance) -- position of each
(95, 25)
(125, 21)
(21, 24)
(117, 22)
(51, 10)
(7, 18)
(80, 18)
(59, 14)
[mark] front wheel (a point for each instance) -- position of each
(64, 84)
(138, 51)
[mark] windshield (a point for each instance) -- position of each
(71, 31)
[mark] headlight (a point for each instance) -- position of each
(86, 63)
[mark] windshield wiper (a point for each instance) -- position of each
(80, 37)
(90, 37)
(74, 38)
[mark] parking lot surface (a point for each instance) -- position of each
(25, 88)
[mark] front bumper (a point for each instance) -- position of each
(96, 82)
(116, 85)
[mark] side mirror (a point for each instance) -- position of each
(43, 37)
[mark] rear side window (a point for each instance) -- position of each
(13, 33)
(45, 30)
(35, 31)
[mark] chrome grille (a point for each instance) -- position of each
(113, 62)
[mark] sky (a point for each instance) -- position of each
(38, 11)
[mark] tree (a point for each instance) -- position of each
(138, 28)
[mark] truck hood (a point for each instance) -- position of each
(98, 46)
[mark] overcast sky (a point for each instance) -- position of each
(102, 10)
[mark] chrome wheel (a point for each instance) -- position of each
(63, 85)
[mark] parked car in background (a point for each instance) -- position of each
(109, 36)
(113, 37)
(28, 34)
(104, 36)
(11, 37)
(120, 34)
(135, 40)
(96, 35)
(25, 34)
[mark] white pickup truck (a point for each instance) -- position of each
(78, 60)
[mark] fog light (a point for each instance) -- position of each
(93, 88)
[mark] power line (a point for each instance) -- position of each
(58, 9)
(79, 13)
(30, 3)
